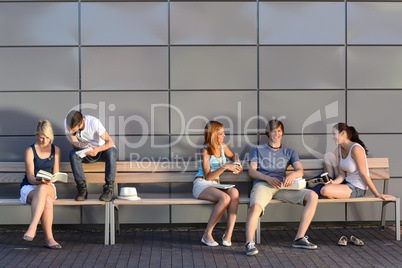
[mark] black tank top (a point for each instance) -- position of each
(45, 164)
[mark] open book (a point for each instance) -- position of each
(82, 153)
(60, 176)
(298, 184)
(222, 186)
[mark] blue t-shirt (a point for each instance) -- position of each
(273, 163)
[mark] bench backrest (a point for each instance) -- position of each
(14, 172)
(173, 172)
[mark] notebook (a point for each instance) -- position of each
(223, 186)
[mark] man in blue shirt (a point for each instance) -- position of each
(268, 164)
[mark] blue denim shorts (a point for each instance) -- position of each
(356, 192)
(317, 189)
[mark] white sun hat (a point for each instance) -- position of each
(128, 193)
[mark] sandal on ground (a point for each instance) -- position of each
(28, 238)
(56, 246)
(356, 241)
(343, 241)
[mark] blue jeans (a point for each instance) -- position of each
(109, 157)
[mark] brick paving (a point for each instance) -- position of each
(182, 248)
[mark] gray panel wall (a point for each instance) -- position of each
(155, 71)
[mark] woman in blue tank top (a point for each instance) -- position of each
(212, 165)
(40, 194)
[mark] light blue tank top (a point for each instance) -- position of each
(214, 163)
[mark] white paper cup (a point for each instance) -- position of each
(236, 163)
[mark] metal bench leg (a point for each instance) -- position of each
(116, 219)
(384, 210)
(383, 215)
(112, 226)
(398, 219)
(107, 223)
(258, 232)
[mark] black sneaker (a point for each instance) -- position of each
(82, 191)
(251, 249)
(107, 192)
(304, 243)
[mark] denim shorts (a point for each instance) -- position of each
(356, 192)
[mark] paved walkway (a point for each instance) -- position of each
(176, 248)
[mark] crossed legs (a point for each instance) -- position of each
(41, 201)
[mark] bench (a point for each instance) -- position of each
(178, 173)
(174, 172)
(13, 173)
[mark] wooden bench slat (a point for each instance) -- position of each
(145, 166)
(72, 202)
(10, 202)
(378, 162)
(355, 200)
(176, 177)
(12, 167)
(181, 201)
(379, 174)
(13, 178)
(57, 202)
(170, 201)
(317, 164)
(375, 174)
(18, 167)
(192, 201)
(192, 166)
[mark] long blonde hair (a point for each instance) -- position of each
(44, 127)
(211, 136)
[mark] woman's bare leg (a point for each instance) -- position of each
(222, 200)
(336, 191)
(37, 200)
(232, 213)
(47, 222)
(330, 165)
